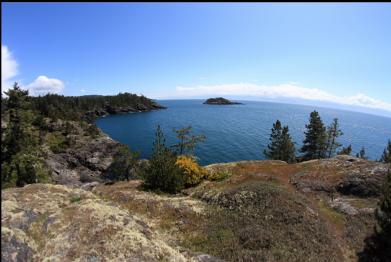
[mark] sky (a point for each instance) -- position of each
(331, 53)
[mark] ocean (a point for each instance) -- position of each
(241, 132)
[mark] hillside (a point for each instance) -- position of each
(318, 210)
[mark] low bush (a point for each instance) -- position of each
(191, 171)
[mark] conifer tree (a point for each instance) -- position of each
(281, 146)
(345, 151)
(386, 157)
(273, 148)
(314, 144)
(378, 246)
(287, 146)
(187, 142)
(162, 173)
(361, 154)
(333, 132)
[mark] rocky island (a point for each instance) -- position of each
(220, 101)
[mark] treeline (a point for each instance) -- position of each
(319, 142)
(57, 106)
(25, 128)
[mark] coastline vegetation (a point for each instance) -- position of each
(171, 168)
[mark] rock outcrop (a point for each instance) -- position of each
(85, 160)
(57, 223)
(260, 211)
(220, 101)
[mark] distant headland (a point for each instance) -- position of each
(220, 101)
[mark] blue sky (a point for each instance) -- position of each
(334, 53)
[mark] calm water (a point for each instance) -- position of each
(241, 132)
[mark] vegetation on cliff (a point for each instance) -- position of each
(47, 137)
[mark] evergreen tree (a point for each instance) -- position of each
(15, 136)
(314, 144)
(281, 146)
(187, 142)
(287, 146)
(162, 172)
(378, 246)
(273, 148)
(361, 154)
(333, 132)
(386, 157)
(346, 150)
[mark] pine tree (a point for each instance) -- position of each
(361, 154)
(333, 132)
(273, 148)
(287, 146)
(345, 151)
(378, 246)
(386, 157)
(162, 173)
(314, 144)
(15, 136)
(187, 142)
(281, 146)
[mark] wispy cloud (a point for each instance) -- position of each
(9, 67)
(43, 85)
(290, 90)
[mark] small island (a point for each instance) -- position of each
(220, 101)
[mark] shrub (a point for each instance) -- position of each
(217, 175)
(123, 165)
(192, 172)
(57, 142)
(162, 173)
(25, 168)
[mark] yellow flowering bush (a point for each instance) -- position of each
(192, 172)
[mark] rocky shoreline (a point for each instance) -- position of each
(110, 110)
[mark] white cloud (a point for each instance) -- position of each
(290, 90)
(43, 85)
(9, 67)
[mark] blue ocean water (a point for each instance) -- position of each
(241, 132)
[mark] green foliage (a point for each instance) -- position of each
(377, 246)
(281, 146)
(123, 165)
(162, 172)
(25, 168)
(20, 158)
(75, 108)
(218, 175)
(315, 142)
(187, 142)
(361, 154)
(75, 199)
(345, 151)
(93, 130)
(333, 132)
(57, 142)
(386, 157)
